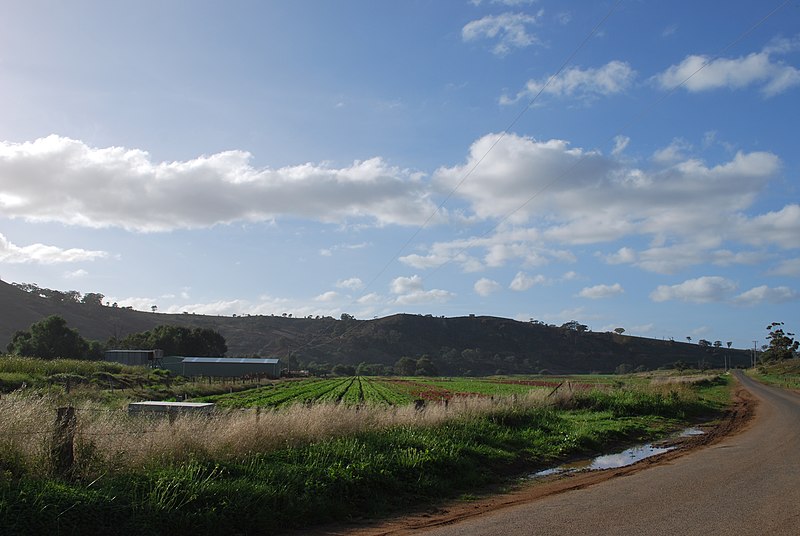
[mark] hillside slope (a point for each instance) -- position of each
(460, 345)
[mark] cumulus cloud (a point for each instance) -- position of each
(410, 291)
(766, 294)
(509, 30)
(613, 77)
(781, 227)
(59, 179)
(772, 76)
(601, 291)
(790, 267)
(44, 254)
(523, 281)
(569, 195)
(484, 286)
(353, 283)
(327, 296)
(701, 290)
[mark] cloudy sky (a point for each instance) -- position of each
(625, 164)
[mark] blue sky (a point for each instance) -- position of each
(625, 164)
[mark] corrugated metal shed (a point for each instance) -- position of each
(225, 366)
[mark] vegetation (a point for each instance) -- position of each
(781, 344)
(176, 340)
(302, 464)
(784, 373)
(460, 346)
(51, 338)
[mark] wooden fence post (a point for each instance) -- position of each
(62, 453)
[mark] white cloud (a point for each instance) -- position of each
(370, 299)
(329, 296)
(424, 296)
(410, 291)
(77, 274)
(572, 196)
(756, 69)
(612, 78)
(44, 254)
(353, 283)
(620, 143)
(766, 294)
(58, 179)
(672, 153)
(790, 267)
(669, 30)
(701, 290)
(523, 281)
(601, 291)
(404, 285)
(623, 255)
(781, 227)
(484, 287)
(510, 30)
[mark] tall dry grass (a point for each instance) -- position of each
(111, 440)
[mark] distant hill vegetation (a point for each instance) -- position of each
(473, 345)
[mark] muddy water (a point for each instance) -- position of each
(613, 461)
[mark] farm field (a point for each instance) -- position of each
(330, 449)
(387, 391)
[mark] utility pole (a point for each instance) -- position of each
(754, 353)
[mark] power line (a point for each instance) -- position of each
(637, 117)
(504, 133)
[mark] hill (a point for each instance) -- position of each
(459, 345)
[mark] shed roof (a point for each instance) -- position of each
(248, 360)
(163, 404)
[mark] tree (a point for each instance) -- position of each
(425, 367)
(619, 331)
(154, 308)
(704, 343)
(178, 340)
(93, 298)
(343, 370)
(49, 339)
(781, 343)
(574, 325)
(405, 366)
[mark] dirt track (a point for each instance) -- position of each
(743, 478)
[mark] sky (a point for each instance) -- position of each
(622, 163)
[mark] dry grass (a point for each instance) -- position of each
(688, 379)
(112, 440)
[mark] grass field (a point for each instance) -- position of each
(296, 464)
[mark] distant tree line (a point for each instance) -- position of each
(175, 340)
(51, 338)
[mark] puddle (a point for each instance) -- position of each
(614, 461)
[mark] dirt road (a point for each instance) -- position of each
(747, 483)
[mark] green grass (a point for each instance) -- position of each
(784, 374)
(367, 474)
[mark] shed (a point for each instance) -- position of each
(231, 367)
(135, 357)
(169, 409)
